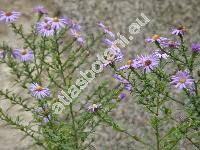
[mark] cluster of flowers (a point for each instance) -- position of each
(148, 63)
(43, 113)
(182, 80)
(46, 28)
(110, 42)
(50, 26)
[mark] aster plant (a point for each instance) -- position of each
(46, 66)
(169, 75)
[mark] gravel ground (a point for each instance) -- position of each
(119, 14)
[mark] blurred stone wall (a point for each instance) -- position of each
(118, 14)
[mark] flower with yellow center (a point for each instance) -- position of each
(8, 13)
(182, 80)
(74, 21)
(181, 27)
(55, 19)
(76, 34)
(155, 37)
(39, 88)
(129, 62)
(23, 52)
(94, 105)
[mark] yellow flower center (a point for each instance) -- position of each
(8, 13)
(23, 52)
(181, 27)
(39, 88)
(55, 19)
(74, 21)
(94, 106)
(129, 62)
(77, 34)
(156, 37)
(182, 80)
(147, 62)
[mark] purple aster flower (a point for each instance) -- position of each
(128, 87)
(77, 35)
(67, 20)
(118, 57)
(44, 29)
(131, 64)
(2, 53)
(170, 44)
(106, 29)
(43, 112)
(9, 16)
(39, 91)
(157, 38)
(196, 47)
(80, 40)
(126, 83)
(44, 109)
(94, 107)
(56, 23)
(135, 63)
(23, 54)
(40, 9)
(181, 30)
(38, 109)
(75, 25)
(111, 61)
(115, 49)
(46, 119)
(125, 67)
(112, 45)
(122, 96)
(149, 62)
(160, 54)
(182, 80)
(120, 79)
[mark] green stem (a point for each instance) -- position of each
(74, 127)
(157, 130)
(65, 83)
